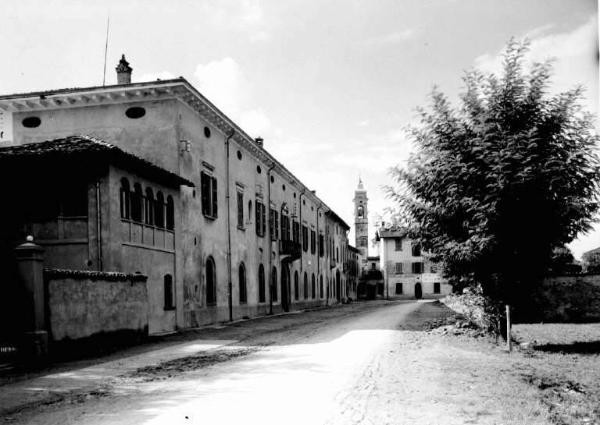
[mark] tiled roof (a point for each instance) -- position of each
(75, 149)
(392, 232)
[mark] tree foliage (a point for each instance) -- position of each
(499, 182)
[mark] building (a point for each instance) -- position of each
(361, 220)
(407, 273)
(151, 178)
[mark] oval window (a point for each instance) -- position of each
(207, 132)
(283, 186)
(258, 169)
(135, 112)
(272, 179)
(239, 155)
(32, 122)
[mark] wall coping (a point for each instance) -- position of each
(94, 275)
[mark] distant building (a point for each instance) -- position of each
(407, 273)
(361, 220)
(591, 261)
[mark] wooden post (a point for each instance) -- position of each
(508, 337)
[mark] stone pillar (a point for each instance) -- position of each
(30, 263)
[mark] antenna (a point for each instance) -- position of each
(105, 50)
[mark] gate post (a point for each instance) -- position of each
(30, 264)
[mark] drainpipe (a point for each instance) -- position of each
(229, 284)
(300, 223)
(99, 227)
(270, 243)
(318, 252)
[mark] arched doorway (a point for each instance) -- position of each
(285, 287)
(338, 286)
(418, 291)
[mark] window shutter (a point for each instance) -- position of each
(263, 218)
(204, 191)
(240, 208)
(214, 196)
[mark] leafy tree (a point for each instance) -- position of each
(499, 182)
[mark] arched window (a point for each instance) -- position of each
(274, 284)
(261, 284)
(296, 286)
(321, 286)
(159, 210)
(137, 199)
(149, 207)
(169, 292)
(242, 284)
(125, 198)
(360, 212)
(211, 282)
(313, 286)
(250, 211)
(170, 213)
(305, 285)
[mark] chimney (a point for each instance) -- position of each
(259, 141)
(123, 71)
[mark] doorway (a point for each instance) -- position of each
(418, 291)
(285, 288)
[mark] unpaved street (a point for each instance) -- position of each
(360, 364)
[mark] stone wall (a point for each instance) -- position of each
(82, 304)
(570, 298)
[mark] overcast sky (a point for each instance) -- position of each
(330, 85)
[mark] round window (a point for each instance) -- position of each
(135, 112)
(206, 132)
(272, 179)
(31, 122)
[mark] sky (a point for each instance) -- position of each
(330, 85)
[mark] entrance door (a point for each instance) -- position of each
(338, 286)
(418, 291)
(285, 286)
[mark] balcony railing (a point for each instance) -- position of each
(290, 248)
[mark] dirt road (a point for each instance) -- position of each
(364, 364)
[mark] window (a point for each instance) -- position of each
(261, 284)
(321, 245)
(285, 225)
(398, 244)
(137, 199)
(274, 284)
(417, 268)
(149, 207)
(124, 198)
(159, 210)
(363, 241)
(305, 238)
(273, 224)
(398, 268)
(433, 268)
(168, 291)
(360, 212)
(313, 286)
(321, 286)
(436, 287)
(208, 188)
(240, 210)
(337, 254)
(313, 242)
(211, 282)
(135, 112)
(296, 288)
(242, 284)
(260, 218)
(398, 288)
(170, 213)
(74, 200)
(305, 286)
(296, 231)
(416, 250)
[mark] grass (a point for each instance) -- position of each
(563, 362)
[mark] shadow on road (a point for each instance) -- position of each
(578, 347)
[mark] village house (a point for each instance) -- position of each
(152, 179)
(407, 272)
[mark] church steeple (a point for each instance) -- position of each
(361, 219)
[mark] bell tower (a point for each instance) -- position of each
(361, 219)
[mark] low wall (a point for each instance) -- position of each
(82, 304)
(570, 298)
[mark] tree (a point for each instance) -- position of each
(499, 182)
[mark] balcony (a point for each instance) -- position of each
(289, 250)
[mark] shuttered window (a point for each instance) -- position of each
(208, 190)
